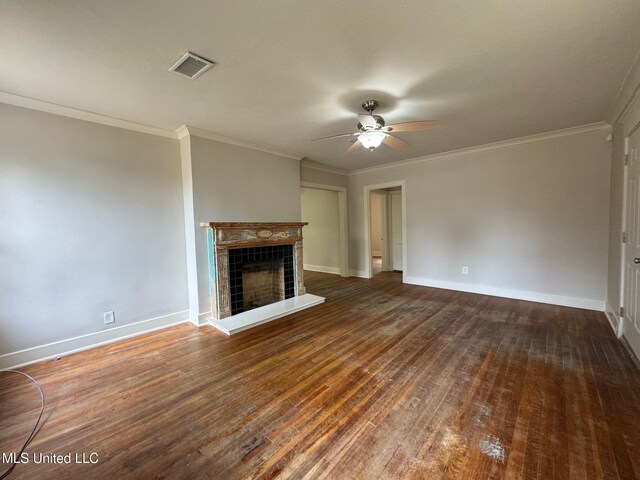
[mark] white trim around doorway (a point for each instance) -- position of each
(367, 225)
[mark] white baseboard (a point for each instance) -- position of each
(359, 273)
(576, 302)
(84, 342)
(375, 253)
(629, 348)
(200, 319)
(614, 320)
(320, 268)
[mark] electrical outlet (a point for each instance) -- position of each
(109, 317)
(465, 270)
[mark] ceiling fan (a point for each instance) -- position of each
(372, 131)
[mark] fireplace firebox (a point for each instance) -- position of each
(260, 276)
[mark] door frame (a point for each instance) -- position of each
(342, 219)
(623, 251)
(367, 225)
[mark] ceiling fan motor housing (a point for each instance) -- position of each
(379, 124)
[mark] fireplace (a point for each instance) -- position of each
(253, 265)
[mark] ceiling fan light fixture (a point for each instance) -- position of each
(371, 139)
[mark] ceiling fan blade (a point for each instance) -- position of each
(356, 145)
(395, 142)
(367, 120)
(414, 126)
(336, 136)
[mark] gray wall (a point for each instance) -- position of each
(237, 184)
(92, 220)
(529, 217)
(313, 175)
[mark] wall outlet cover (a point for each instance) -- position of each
(465, 270)
(109, 317)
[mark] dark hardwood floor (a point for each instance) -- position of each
(384, 381)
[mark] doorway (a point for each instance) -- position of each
(385, 228)
(325, 238)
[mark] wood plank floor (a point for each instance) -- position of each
(383, 381)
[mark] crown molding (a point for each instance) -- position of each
(185, 130)
(33, 104)
(182, 132)
(489, 146)
(628, 92)
(322, 167)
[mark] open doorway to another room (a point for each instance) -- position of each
(385, 229)
(325, 238)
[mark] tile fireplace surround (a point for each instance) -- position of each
(234, 245)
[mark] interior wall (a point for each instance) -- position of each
(322, 177)
(237, 184)
(529, 218)
(321, 236)
(90, 214)
(376, 224)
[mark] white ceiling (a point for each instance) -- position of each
(289, 71)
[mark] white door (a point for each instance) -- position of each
(632, 247)
(396, 230)
(386, 245)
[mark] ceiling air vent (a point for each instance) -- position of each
(191, 65)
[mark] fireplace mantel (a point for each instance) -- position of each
(252, 234)
(224, 236)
